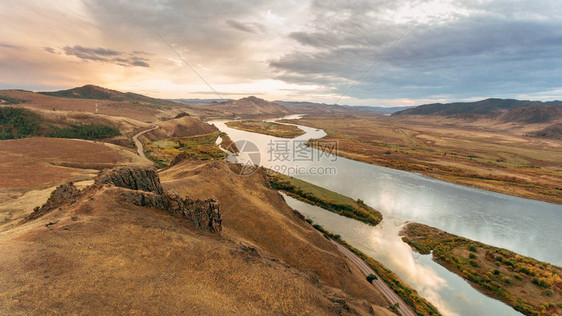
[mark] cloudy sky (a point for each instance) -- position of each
(308, 50)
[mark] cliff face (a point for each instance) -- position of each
(140, 187)
(131, 178)
(204, 214)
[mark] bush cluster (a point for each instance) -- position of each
(84, 131)
(18, 123)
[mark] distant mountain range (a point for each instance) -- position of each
(314, 108)
(305, 107)
(503, 110)
(506, 110)
(198, 101)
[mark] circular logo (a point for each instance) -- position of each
(244, 157)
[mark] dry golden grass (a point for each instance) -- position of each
(180, 127)
(481, 154)
(253, 212)
(106, 256)
(106, 107)
(33, 166)
(32, 162)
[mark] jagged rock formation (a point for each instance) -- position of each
(201, 213)
(140, 187)
(133, 178)
(62, 194)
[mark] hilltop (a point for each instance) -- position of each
(508, 110)
(99, 93)
(249, 106)
(129, 244)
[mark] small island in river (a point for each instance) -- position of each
(528, 285)
(267, 128)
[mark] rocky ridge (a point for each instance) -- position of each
(141, 187)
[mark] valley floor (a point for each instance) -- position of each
(479, 154)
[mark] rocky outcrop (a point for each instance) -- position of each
(140, 187)
(61, 195)
(203, 214)
(133, 178)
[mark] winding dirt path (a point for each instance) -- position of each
(138, 143)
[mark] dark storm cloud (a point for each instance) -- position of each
(494, 52)
(458, 48)
(104, 55)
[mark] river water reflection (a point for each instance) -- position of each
(528, 227)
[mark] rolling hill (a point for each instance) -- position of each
(125, 246)
(512, 110)
(249, 106)
(533, 114)
(323, 108)
(100, 93)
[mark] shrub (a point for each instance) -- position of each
(85, 131)
(547, 292)
(472, 256)
(371, 277)
(497, 272)
(18, 123)
(472, 248)
(473, 263)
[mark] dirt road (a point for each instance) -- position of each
(138, 143)
(392, 297)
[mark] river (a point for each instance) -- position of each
(528, 227)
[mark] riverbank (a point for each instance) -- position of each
(528, 285)
(481, 157)
(324, 198)
(406, 293)
(267, 128)
(345, 206)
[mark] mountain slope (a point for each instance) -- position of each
(100, 93)
(116, 248)
(322, 108)
(486, 108)
(552, 132)
(249, 106)
(534, 114)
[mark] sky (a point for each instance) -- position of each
(377, 52)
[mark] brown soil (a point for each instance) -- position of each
(32, 162)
